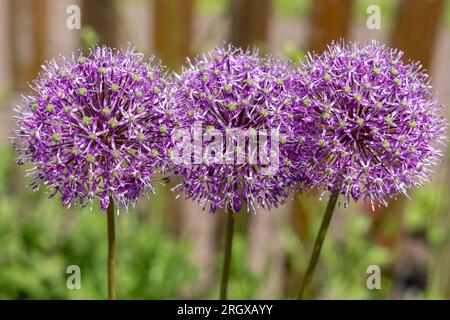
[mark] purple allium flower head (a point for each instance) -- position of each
(95, 126)
(229, 90)
(375, 124)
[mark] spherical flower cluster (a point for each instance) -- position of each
(375, 126)
(229, 89)
(95, 126)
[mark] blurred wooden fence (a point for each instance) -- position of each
(175, 24)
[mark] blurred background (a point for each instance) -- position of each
(171, 249)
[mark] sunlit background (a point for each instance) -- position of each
(169, 248)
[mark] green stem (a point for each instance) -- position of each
(111, 251)
(318, 246)
(229, 229)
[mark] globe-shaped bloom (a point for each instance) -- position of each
(376, 127)
(242, 95)
(95, 126)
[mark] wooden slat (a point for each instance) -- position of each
(173, 30)
(249, 22)
(330, 20)
(416, 28)
(27, 39)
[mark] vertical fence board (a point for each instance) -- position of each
(173, 30)
(27, 42)
(330, 20)
(249, 22)
(416, 28)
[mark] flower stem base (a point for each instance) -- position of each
(111, 251)
(229, 230)
(318, 246)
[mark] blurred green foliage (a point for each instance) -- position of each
(89, 37)
(39, 239)
(299, 8)
(212, 7)
(447, 14)
(349, 258)
(292, 8)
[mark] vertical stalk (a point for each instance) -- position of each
(111, 251)
(229, 230)
(318, 246)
